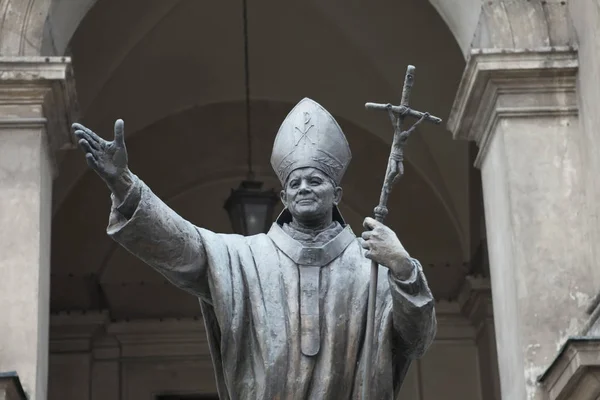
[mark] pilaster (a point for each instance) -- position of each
(36, 99)
(521, 109)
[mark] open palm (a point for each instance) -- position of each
(108, 159)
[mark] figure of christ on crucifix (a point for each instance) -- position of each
(285, 312)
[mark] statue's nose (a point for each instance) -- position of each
(304, 188)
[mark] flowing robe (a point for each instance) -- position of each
(249, 292)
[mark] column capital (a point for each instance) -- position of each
(475, 299)
(39, 92)
(500, 84)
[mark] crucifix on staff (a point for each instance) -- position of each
(394, 171)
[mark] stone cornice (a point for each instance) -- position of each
(106, 339)
(39, 92)
(575, 373)
(170, 337)
(183, 337)
(75, 331)
(505, 84)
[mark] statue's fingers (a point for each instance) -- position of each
(77, 127)
(370, 223)
(91, 161)
(81, 135)
(365, 245)
(120, 132)
(85, 146)
(367, 235)
(92, 136)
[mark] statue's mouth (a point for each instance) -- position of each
(306, 201)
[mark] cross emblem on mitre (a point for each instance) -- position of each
(305, 128)
(310, 137)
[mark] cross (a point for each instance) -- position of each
(304, 131)
(395, 169)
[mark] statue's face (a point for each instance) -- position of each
(309, 194)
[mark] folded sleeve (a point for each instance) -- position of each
(413, 310)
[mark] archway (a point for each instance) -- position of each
(126, 72)
(180, 92)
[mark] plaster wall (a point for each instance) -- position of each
(541, 271)
(586, 21)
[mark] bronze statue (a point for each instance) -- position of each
(285, 312)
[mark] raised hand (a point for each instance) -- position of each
(107, 159)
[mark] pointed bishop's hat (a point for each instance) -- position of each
(310, 137)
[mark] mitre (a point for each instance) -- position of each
(310, 137)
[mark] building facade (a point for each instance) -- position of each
(500, 205)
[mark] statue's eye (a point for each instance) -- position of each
(294, 184)
(315, 182)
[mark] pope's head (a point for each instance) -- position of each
(310, 155)
(309, 195)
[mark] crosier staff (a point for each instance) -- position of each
(395, 170)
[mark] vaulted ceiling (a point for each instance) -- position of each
(174, 71)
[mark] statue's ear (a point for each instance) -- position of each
(283, 197)
(337, 195)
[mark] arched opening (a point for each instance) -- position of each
(174, 72)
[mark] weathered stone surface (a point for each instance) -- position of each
(22, 26)
(507, 24)
(586, 22)
(521, 109)
(517, 24)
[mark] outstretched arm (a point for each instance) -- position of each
(161, 238)
(140, 221)
(412, 302)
